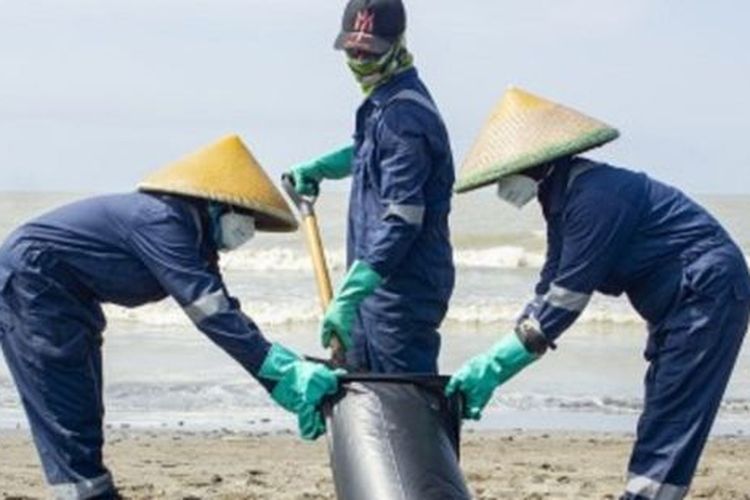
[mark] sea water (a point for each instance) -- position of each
(160, 371)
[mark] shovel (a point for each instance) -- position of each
(305, 206)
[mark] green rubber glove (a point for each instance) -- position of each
(335, 164)
(300, 386)
(360, 281)
(480, 376)
(311, 423)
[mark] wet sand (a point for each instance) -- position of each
(226, 465)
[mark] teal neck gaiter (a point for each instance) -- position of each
(371, 73)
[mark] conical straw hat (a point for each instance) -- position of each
(226, 172)
(524, 131)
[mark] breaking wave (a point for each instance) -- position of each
(189, 397)
(277, 259)
(502, 257)
(186, 397)
(609, 405)
(289, 259)
(167, 313)
(272, 313)
(486, 312)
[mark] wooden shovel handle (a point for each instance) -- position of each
(323, 280)
(317, 253)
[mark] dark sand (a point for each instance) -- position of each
(224, 465)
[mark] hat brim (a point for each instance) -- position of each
(267, 219)
(594, 139)
(357, 40)
(226, 172)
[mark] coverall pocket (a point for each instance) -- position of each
(742, 289)
(63, 346)
(30, 291)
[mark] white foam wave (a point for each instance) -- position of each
(277, 259)
(471, 311)
(167, 313)
(487, 312)
(289, 259)
(597, 404)
(246, 397)
(186, 397)
(610, 405)
(198, 396)
(502, 257)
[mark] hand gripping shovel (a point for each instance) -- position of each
(305, 206)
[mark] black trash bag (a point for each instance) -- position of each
(395, 437)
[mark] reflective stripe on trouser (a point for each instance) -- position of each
(387, 346)
(55, 361)
(644, 487)
(87, 488)
(697, 346)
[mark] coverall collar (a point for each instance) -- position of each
(552, 190)
(384, 92)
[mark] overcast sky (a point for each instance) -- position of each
(96, 93)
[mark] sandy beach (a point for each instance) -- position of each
(226, 465)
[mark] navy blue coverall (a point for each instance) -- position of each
(56, 271)
(613, 231)
(398, 224)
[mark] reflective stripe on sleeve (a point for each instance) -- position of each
(413, 95)
(207, 306)
(535, 303)
(87, 488)
(411, 214)
(566, 299)
(654, 490)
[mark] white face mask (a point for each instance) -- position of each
(517, 190)
(236, 230)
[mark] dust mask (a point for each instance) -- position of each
(230, 229)
(236, 230)
(517, 190)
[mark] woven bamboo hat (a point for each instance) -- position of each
(524, 131)
(226, 172)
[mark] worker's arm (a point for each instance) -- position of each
(335, 164)
(596, 227)
(401, 167)
(547, 274)
(169, 245)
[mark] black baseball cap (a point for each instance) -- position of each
(371, 25)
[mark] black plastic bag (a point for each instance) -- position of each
(395, 437)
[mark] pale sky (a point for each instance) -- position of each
(96, 93)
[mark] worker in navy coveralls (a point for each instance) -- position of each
(395, 295)
(616, 231)
(131, 249)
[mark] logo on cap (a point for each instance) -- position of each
(365, 21)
